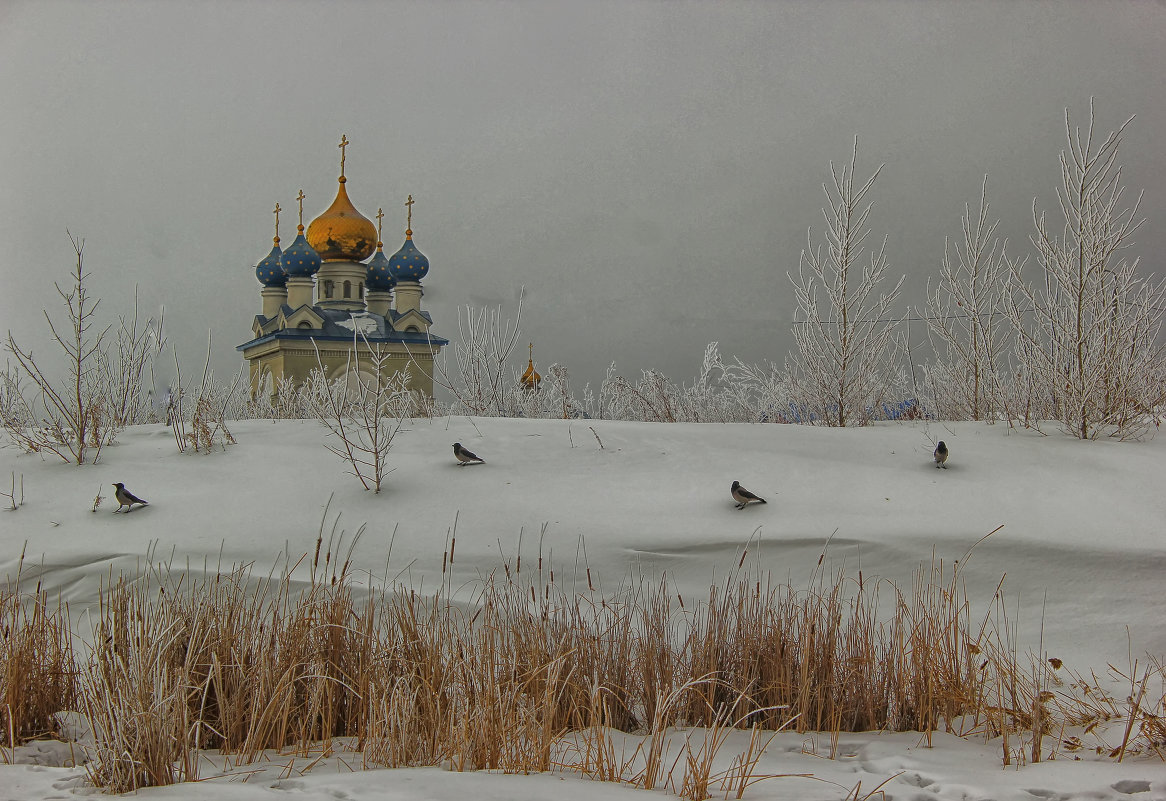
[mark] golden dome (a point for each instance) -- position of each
(342, 233)
(530, 379)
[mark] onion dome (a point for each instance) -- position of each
(342, 233)
(300, 259)
(530, 379)
(408, 263)
(380, 278)
(270, 271)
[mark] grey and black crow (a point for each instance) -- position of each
(744, 497)
(126, 498)
(941, 455)
(464, 456)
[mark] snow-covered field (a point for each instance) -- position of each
(1082, 552)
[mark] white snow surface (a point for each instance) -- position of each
(359, 322)
(1082, 552)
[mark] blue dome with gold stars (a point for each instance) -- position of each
(408, 263)
(300, 259)
(380, 275)
(270, 271)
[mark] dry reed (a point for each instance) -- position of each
(38, 673)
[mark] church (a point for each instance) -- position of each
(320, 296)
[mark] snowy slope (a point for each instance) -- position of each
(1083, 537)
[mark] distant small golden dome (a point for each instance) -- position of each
(342, 233)
(530, 379)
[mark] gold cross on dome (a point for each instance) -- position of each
(531, 347)
(276, 213)
(380, 216)
(300, 197)
(409, 205)
(343, 144)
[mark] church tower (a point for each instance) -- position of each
(271, 274)
(322, 305)
(407, 267)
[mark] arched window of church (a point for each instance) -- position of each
(304, 324)
(327, 289)
(347, 289)
(360, 288)
(412, 330)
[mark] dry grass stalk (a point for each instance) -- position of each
(16, 496)
(742, 772)
(698, 768)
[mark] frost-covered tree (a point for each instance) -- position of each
(363, 409)
(1088, 330)
(103, 390)
(482, 380)
(845, 339)
(964, 316)
(73, 412)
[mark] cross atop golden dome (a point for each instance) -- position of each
(276, 213)
(530, 379)
(342, 233)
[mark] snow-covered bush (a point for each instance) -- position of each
(767, 393)
(208, 409)
(720, 393)
(481, 381)
(125, 371)
(651, 399)
(552, 397)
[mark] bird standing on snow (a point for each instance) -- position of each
(744, 497)
(464, 456)
(125, 498)
(941, 455)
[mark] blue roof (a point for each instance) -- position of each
(342, 326)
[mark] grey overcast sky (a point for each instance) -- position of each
(647, 170)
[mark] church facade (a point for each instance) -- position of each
(324, 304)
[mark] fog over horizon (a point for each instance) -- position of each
(644, 172)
